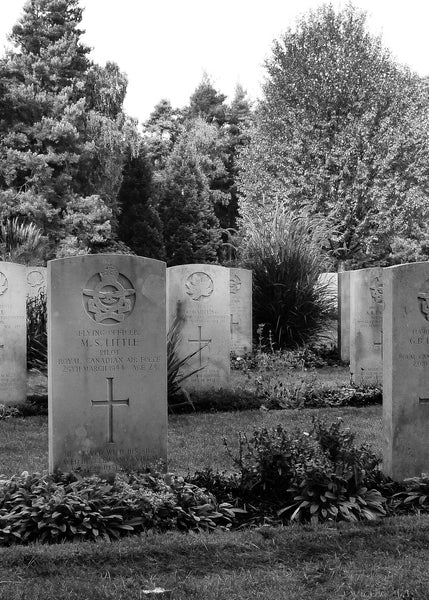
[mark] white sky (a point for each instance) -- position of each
(164, 46)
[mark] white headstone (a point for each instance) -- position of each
(241, 310)
(13, 334)
(107, 363)
(366, 313)
(344, 315)
(199, 294)
(406, 370)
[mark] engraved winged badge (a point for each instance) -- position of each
(109, 300)
(199, 285)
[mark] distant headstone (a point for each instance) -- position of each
(344, 315)
(36, 281)
(241, 310)
(107, 363)
(329, 281)
(406, 370)
(366, 314)
(199, 296)
(13, 334)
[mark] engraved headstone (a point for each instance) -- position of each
(13, 334)
(366, 314)
(199, 296)
(241, 310)
(107, 363)
(329, 282)
(406, 370)
(344, 315)
(36, 281)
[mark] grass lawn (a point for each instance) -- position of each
(382, 560)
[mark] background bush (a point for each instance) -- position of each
(285, 252)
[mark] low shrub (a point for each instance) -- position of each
(55, 508)
(310, 476)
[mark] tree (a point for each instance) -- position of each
(161, 131)
(207, 103)
(340, 131)
(140, 226)
(63, 135)
(191, 229)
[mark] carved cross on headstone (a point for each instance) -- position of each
(233, 325)
(380, 343)
(202, 344)
(110, 402)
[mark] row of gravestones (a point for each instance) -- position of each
(107, 350)
(107, 356)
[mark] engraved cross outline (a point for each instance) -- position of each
(200, 341)
(232, 323)
(110, 402)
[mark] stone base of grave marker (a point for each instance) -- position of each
(107, 363)
(406, 370)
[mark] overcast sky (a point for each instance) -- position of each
(164, 46)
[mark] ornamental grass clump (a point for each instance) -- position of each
(286, 252)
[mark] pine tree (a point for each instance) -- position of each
(63, 135)
(191, 228)
(140, 226)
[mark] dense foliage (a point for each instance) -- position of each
(341, 131)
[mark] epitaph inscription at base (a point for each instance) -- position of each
(107, 363)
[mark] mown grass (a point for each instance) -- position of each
(195, 441)
(386, 560)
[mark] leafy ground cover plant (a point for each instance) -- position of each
(55, 508)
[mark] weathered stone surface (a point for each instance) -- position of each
(241, 310)
(107, 363)
(199, 296)
(406, 370)
(366, 314)
(13, 334)
(36, 281)
(344, 315)
(329, 281)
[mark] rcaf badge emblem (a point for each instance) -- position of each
(109, 296)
